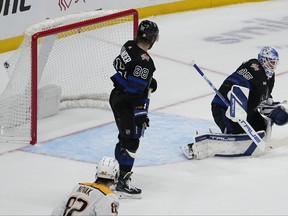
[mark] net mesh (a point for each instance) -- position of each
(78, 60)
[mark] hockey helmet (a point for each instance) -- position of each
(108, 168)
(147, 30)
(268, 58)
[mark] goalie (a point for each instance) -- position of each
(248, 90)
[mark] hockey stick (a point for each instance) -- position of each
(147, 108)
(136, 154)
(244, 124)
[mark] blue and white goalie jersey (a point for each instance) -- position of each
(89, 199)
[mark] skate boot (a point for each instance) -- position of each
(188, 151)
(124, 188)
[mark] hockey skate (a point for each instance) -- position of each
(125, 190)
(187, 151)
(195, 150)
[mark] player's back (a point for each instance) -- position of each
(89, 199)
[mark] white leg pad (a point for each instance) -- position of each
(222, 145)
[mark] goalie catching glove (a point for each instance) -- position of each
(276, 111)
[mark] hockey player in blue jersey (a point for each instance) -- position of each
(129, 100)
(258, 77)
(253, 82)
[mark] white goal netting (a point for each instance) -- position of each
(75, 54)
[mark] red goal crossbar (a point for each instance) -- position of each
(34, 55)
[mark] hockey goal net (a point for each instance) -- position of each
(74, 53)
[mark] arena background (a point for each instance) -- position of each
(16, 16)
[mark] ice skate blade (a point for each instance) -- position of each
(123, 195)
(188, 154)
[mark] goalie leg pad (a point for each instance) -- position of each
(223, 145)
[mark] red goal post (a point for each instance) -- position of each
(74, 53)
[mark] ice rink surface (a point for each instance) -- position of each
(36, 178)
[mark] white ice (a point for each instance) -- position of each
(219, 40)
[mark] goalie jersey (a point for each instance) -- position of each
(89, 199)
(251, 75)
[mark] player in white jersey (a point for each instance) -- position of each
(94, 198)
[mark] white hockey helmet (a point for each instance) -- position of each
(108, 168)
(268, 58)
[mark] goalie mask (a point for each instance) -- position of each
(108, 168)
(268, 58)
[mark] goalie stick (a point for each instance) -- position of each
(243, 123)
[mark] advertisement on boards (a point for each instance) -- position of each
(17, 15)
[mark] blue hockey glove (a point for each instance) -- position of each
(141, 117)
(267, 106)
(279, 116)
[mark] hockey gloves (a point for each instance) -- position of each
(238, 97)
(141, 118)
(153, 85)
(279, 116)
(236, 115)
(276, 111)
(267, 106)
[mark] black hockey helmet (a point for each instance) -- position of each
(148, 30)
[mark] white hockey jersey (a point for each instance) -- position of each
(89, 199)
